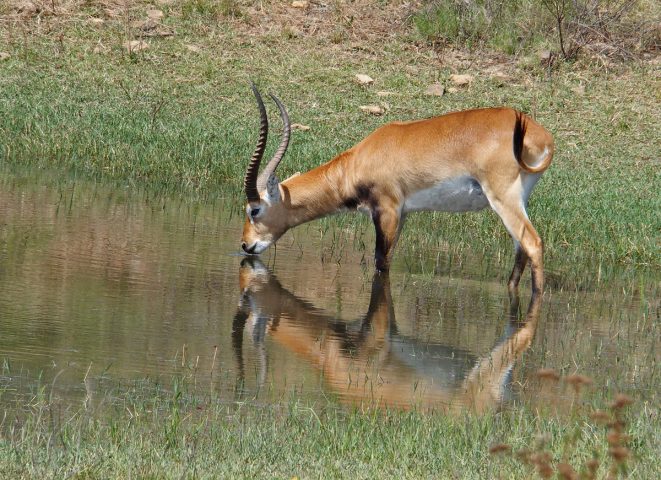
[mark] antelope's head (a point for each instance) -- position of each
(267, 216)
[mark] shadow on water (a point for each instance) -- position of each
(367, 361)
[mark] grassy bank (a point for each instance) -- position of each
(179, 114)
(147, 431)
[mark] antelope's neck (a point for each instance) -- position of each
(319, 192)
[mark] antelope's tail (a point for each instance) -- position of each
(520, 127)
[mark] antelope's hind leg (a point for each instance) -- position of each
(520, 261)
(528, 243)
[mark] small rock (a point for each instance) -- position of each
(155, 14)
(4, 56)
(435, 89)
(300, 4)
(113, 12)
(160, 32)
(461, 80)
(135, 46)
(193, 48)
(97, 22)
(501, 79)
(364, 79)
(144, 25)
(291, 32)
(383, 93)
(500, 76)
(373, 109)
(579, 90)
(26, 8)
(151, 28)
(298, 126)
(545, 55)
(452, 90)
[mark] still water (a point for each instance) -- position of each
(104, 287)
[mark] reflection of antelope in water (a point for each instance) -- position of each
(367, 361)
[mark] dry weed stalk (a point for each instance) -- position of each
(499, 448)
(541, 459)
(548, 374)
(567, 472)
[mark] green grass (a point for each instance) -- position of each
(172, 118)
(475, 24)
(148, 431)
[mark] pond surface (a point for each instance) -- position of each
(103, 287)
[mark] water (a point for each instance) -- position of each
(103, 289)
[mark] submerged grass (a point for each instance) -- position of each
(179, 115)
(148, 431)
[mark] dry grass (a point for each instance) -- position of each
(360, 27)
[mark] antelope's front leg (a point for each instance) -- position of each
(387, 222)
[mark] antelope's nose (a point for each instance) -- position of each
(246, 248)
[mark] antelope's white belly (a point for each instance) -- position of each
(460, 194)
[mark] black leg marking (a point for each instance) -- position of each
(362, 195)
(382, 244)
(351, 203)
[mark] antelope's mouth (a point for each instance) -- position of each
(255, 248)
(250, 249)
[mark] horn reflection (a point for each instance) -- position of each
(367, 362)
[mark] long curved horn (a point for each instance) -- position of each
(250, 180)
(263, 179)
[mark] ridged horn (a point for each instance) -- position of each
(263, 179)
(250, 180)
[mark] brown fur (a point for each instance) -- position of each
(401, 158)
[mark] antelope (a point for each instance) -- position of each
(458, 162)
(368, 361)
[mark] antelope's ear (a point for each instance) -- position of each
(273, 189)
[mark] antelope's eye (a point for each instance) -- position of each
(254, 212)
